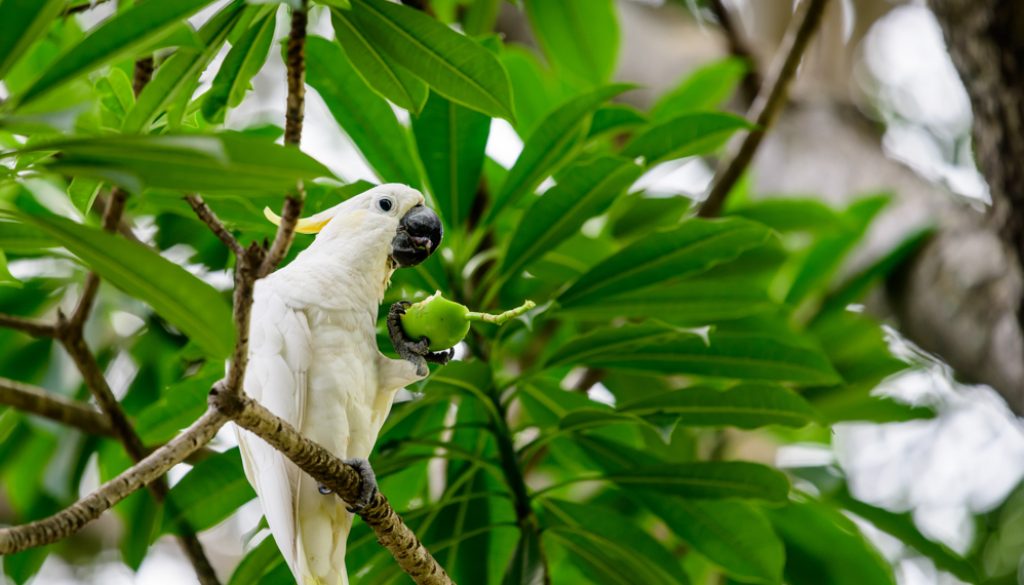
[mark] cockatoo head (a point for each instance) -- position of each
(389, 214)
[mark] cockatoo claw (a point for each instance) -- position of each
(369, 484)
(415, 352)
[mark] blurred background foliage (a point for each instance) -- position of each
(625, 431)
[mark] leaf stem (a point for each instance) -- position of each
(501, 318)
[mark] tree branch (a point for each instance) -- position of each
(216, 226)
(767, 105)
(30, 326)
(37, 401)
(343, 480)
(295, 60)
(74, 517)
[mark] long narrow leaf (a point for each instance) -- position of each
(115, 38)
(389, 79)
(452, 64)
(186, 302)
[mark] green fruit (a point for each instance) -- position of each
(441, 321)
(445, 323)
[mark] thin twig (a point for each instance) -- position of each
(74, 517)
(739, 47)
(83, 7)
(30, 326)
(111, 218)
(204, 213)
(35, 400)
(767, 105)
(295, 60)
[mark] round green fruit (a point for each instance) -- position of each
(445, 323)
(441, 321)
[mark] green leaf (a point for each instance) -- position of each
(692, 247)
(179, 406)
(241, 64)
(178, 77)
(854, 403)
(527, 566)
(22, 22)
(579, 37)
(19, 237)
(790, 215)
(734, 535)
(226, 163)
(637, 214)
(704, 89)
(696, 301)
(390, 80)
(209, 493)
(616, 536)
(854, 288)
(902, 526)
(823, 546)
(825, 257)
(585, 189)
(452, 64)
(746, 406)
(705, 480)
(451, 141)
(550, 145)
(186, 302)
(656, 348)
(366, 117)
(615, 118)
(258, 562)
(6, 278)
(116, 38)
(684, 135)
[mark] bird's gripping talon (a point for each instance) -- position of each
(415, 352)
(369, 484)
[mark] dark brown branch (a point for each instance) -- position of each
(768, 104)
(739, 47)
(342, 479)
(73, 518)
(216, 226)
(35, 400)
(295, 60)
(30, 326)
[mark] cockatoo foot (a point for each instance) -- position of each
(414, 352)
(369, 484)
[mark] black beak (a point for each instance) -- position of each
(419, 234)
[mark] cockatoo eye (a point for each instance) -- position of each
(386, 204)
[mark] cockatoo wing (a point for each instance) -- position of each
(280, 352)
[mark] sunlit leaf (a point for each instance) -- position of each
(451, 140)
(703, 89)
(685, 135)
(363, 115)
(185, 301)
(115, 38)
(580, 37)
(22, 22)
(241, 64)
(228, 162)
(692, 247)
(380, 71)
(452, 64)
(586, 190)
(550, 145)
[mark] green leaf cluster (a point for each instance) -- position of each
(576, 444)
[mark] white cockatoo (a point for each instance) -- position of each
(313, 361)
